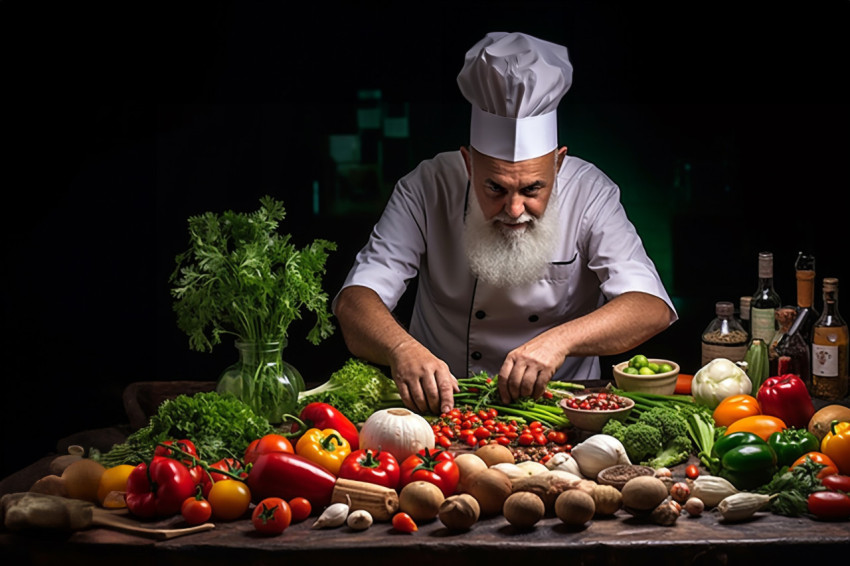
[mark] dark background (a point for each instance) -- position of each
(726, 130)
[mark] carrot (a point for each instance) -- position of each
(683, 384)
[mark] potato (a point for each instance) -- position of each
(495, 454)
(82, 479)
(575, 507)
(523, 509)
(642, 494)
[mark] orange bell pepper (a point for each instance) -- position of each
(761, 425)
(836, 445)
(325, 447)
(734, 408)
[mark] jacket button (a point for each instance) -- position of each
(480, 314)
(476, 355)
(533, 318)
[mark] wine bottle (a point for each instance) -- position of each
(744, 313)
(765, 301)
(794, 355)
(805, 268)
(830, 347)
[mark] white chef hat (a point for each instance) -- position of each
(514, 82)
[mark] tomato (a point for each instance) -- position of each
(300, 508)
(836, 482)
(760, 425)
(229, 499)
(437, 467)
(404, 523)
(829, 505)
(196, 510)
(821, 458)
(271, 516)
(268, 443)
(734, 408)
(692, 472)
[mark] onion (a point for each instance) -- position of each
(398, 431)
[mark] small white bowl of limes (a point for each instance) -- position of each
(647, 375)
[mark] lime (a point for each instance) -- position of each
(646, 370)
(653, 366)
(631, 370)
(638, 361)
(664, 368)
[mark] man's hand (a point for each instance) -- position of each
(424, 381)
(528, 369)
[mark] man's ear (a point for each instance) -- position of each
(467, 159)
(562, 152)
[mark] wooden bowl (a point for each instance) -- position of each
(594, 420)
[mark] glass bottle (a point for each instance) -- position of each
(829, 347)
(793, 353)
(785, 318)
(724, 337)
(263, 380)
(744, 310)
(765, 301)
(805, 270)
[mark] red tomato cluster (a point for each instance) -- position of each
(486, 426)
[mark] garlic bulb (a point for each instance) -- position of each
(598, 452)
(563, 461)
(398, 431)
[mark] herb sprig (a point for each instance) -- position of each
(241, 277)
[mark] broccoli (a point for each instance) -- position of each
(674, 452)
(357, 390)
(668, 421)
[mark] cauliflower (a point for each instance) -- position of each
(718, 379)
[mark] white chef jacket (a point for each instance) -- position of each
(472, 325)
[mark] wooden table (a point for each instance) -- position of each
(767, 539)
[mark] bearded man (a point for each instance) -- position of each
(527, 265)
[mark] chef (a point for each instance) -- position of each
(527, 265)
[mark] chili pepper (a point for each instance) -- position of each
(158, 489)
(286, 475)
(744, 459)
(786, 397)
(322, 416)
(792, 443)
(325, 447)
(836, 445)
(380, 468)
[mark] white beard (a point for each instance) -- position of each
(506, 257)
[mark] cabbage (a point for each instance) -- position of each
(718, 379)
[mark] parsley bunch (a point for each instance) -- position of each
(241, 277)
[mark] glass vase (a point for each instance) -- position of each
(263, 380)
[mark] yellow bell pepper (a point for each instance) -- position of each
(325, 447)
(836, 445)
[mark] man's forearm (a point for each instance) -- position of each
(618, 326)
(368, 327)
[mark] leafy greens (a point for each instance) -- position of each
(240, 276)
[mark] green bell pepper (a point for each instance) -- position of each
(791, 443)
(744, 459)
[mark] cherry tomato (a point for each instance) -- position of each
(271, 516)
(836, 482)
(404, 523)
(300, 508)
(196, 510)
(734, 408)
(821, 458)
(692, 472)
(268, 443)
(229, 499)
(829, 505)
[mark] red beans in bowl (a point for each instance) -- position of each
(597, 402)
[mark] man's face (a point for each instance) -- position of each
(509, 192)
(507, 237)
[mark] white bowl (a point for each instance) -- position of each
(660, 383)
(594, 420)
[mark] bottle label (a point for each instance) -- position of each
(763, 324)
(824, 360)
(731, 353)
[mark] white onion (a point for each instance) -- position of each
(398, 431)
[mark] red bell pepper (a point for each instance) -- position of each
(158, 489)
(787, 398)
(185, 452)
(287, 475)
(322, 416)
(438, 467)
(380, 468)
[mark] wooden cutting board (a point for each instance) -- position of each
(114, 520)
